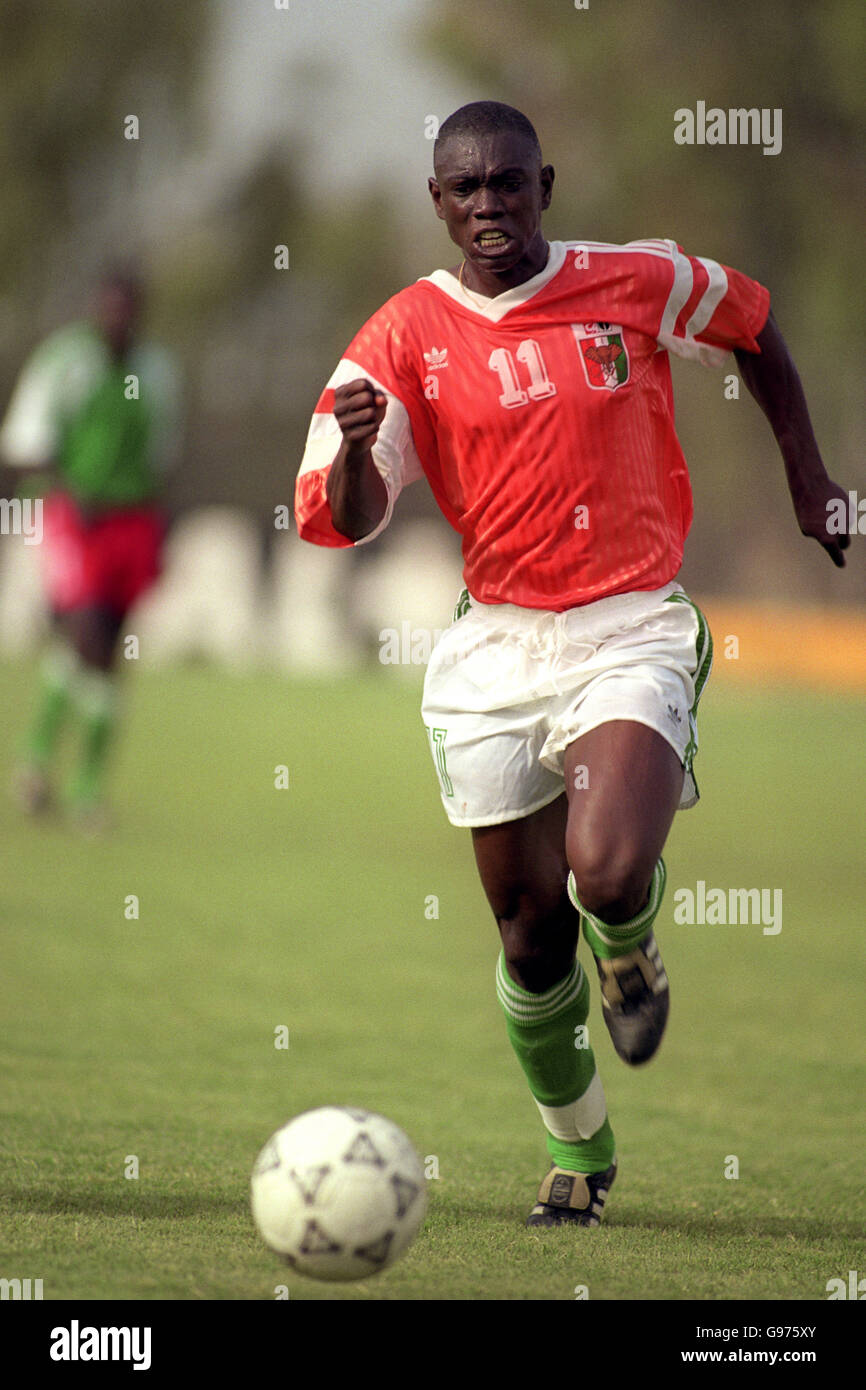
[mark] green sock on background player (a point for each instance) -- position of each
(57, 677)
(548, 1034)
(96, 702)
(608, 941)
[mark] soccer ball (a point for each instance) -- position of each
(339, 1193)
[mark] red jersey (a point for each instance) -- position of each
(543, 419)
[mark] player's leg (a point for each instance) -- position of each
(523, 870)
(65, 576)
(624, 782)
(92, 633)
(124, 559)
(57, 675)
(545, 997)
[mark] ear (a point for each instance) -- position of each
(547, 177)
(436, 195)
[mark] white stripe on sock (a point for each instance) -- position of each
(613, 935)
(581, 1119)
(537, 1008)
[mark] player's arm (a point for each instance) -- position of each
(775, 384)
(16, 474)
(356, 491)
(29, 427)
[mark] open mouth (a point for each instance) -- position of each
(491, 240)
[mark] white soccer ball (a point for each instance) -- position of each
(339, 1193)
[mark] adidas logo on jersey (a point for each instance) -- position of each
(436, 358)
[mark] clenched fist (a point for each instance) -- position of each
(360, 410)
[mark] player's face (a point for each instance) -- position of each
(117, 314)
(490, 192)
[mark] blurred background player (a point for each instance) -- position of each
(531, 385)
(96, 410)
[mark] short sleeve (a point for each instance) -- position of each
(53, 384)
(709, 309)
(370, 355)
(30, 433)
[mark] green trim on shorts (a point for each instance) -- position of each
(437, 747)
(704, 649)
(463, 606)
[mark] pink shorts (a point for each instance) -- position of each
(105, 560)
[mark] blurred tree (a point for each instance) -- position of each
(70, 75)
(257, 341)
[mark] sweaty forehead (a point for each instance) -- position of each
(468, 154)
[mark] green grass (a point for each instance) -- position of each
(306, 907)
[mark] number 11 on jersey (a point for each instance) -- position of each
(502, 362)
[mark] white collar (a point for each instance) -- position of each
(496, 308)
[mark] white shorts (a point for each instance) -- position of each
(508, 689)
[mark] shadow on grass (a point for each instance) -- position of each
(449, 1218)
(144, 1205)
(742, 1224)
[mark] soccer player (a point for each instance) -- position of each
(98, 411)
(530, 384)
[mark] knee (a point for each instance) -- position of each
(612, 886)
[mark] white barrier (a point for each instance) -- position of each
(312, 610)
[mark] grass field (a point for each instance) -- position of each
(305, 907)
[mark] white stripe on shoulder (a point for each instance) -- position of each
(394, 452)
(710, 299)
(649, 247)
(681, 288)
(685, 344)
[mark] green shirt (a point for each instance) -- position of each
(108, 428)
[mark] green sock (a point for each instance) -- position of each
(548, 1034)
(609, 941)
(52, 704)
(96, 699)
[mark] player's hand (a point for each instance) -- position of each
(821, 516)
(360, 410)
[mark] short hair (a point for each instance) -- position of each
(480, 118)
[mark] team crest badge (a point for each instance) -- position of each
(603, 353)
